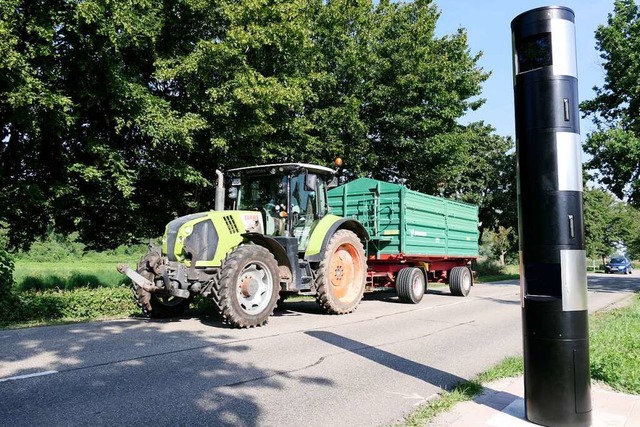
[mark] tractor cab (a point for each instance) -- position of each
(291, 197)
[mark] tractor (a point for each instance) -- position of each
(275, 238)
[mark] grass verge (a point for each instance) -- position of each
(614, 340)
(488, 271)
(467, 390)
(51, 306)
(496, 278)
(614, 344)
(35, 307)
(30, 275)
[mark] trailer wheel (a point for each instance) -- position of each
(410, 285)
(341, 275)
(460, 281)
(248, 286)
(152, 305)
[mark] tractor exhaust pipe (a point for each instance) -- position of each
(219, 195)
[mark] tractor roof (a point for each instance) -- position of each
(283, 167)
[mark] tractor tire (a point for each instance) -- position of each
(248, 286)
(460, 281)
(341, 275)
(410, 285)
(152, 305)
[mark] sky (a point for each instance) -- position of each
(488, 26)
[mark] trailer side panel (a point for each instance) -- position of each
(403, 221)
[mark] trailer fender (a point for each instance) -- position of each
(325, 229)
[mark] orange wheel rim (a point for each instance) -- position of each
(345, 269)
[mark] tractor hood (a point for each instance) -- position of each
(206, 237)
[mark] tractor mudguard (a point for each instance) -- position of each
(268, 242)
(325, 229)
(283, 258)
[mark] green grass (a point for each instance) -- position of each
(492, 272)
(496, 278)
(51, 306)
(29, 308)
(31, 275)
(614, 340)
(467, 390)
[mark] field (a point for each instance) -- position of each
(31, 275)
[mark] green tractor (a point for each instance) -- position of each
(276, 239)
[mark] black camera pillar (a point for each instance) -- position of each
(553, 278)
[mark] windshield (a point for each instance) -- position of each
(260, 191)
(617, 260)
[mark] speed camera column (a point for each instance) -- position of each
(553, 278)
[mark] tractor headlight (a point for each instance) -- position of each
(252, 222)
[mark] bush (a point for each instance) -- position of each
(55, 247)
(77, 304)
(488, 268)
(6, 272)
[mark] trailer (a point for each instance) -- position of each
(414, 238)
(280, 233)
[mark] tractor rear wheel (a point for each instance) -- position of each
(248, 286)
(153, 305)
(341, 275)
(460, 281)
(410, 285)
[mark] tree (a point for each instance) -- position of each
(615, 145)
(85, 135)
(391, 110)
(609, 223)
(115, 115)
(488, 177)
(499, 242)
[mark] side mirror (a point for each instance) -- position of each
(232, 194)
(310, 181)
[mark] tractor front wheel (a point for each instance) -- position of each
(248, 286)
(153, 305)
(341, 275)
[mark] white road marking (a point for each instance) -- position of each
(22, 377)
(420, 401)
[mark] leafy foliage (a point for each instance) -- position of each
(615, 145)
(6, 271)
(115, 115)
(615, 347)
(496, 244)
(77, 304)
(609, 224)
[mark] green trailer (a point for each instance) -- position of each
(413, 237)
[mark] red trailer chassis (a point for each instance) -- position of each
(383, 270)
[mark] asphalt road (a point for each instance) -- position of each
(304, 368)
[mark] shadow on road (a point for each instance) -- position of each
(428, 374)
(131, 373)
